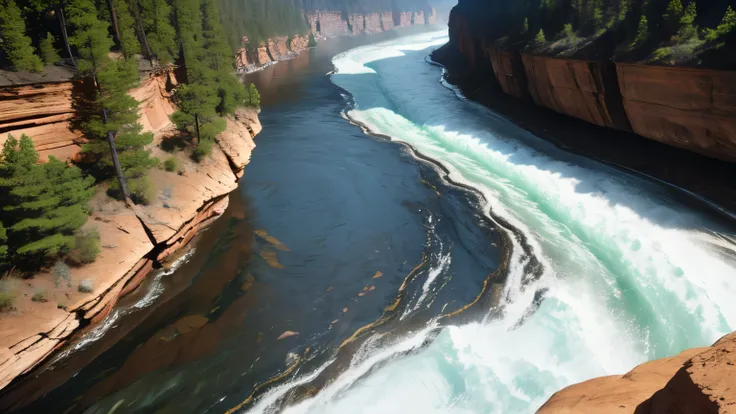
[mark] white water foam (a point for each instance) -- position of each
(630, 274)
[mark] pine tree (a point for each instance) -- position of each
(727, 25)
(129, 45)
(642, 31)
(117, 113)
(540, 38)
(672, 15)
(254, 98)
(46, 203)
(525, 27)
(161, 34)
(115, 116)
(688, 29)
(48, 52)
(3, 243)
(15, 43)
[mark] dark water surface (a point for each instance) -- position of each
(327, 225)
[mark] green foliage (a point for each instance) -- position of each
(86, 247)
(171, 164)
(45, 205)
(203, 150)
(7, 300)
(254, 97)
(688, 29)
(156, 16)
(3, 243)
(90, 37)
(129, 45)
(540, 38)
(48, 51)
(39, 296)
(568, 32)
(727, 25)
(642, 31)
(312, 41)
(673, 14)
(15, 43)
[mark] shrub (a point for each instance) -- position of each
(569, 33)
(39, 296)
(727, 25)
(254, 97)
(642, 31)
(86, 248)
(204, 149)
(141, 190)
(171, 164)
(85, 286)
(61, 273)
(312, 41)
(7, 299)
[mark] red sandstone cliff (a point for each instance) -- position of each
(699, 380)
(132, 240)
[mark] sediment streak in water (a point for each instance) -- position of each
(629, 274)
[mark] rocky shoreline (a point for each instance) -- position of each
(134, 241)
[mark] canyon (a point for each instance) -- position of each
(690, 108)
(134, 240)
(323, 25)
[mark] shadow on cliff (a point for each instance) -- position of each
(567, 144)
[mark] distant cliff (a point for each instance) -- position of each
(323, 24)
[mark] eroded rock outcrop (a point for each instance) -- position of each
(688, 108)
(699, 380)
(41, 111)
(584, 89)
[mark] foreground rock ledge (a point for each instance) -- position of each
(699, 380)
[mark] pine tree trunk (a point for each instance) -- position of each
(114, 19)
(116, 163)
(141, 31)
(62, 23)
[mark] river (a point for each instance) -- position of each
(396, 248)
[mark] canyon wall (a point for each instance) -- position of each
(689, 108)
(133, 240)
(326, 24)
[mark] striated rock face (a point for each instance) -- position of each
(41, 111)
(432, 18)
(331, 24)
(154, 94)
(509, 70)
(575, 88)
(419, 17)
(699, 380)
(688, 108)
(299, 44)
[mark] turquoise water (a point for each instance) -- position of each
(630, 273)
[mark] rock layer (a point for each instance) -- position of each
(699, 380)
(41, 111)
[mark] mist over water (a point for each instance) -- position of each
(629, 272)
